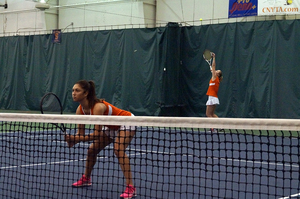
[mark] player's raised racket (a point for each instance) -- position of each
(51, 104)
(208, 57)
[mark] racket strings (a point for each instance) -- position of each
(50, 104)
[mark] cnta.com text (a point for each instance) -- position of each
(278, 9)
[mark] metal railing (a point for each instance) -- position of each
(69, 29)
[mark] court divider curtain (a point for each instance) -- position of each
(260, 64)
(160, 71)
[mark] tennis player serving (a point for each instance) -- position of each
(213, 89)
(84, 93)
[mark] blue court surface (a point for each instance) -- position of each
(168, 165)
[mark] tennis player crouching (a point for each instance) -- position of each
(213, 89)
(84, 93)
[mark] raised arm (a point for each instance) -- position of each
(213, 66)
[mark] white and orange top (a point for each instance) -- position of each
(213, 87)
(110, 110)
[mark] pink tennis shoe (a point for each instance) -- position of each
(83, 182)
(129, 193)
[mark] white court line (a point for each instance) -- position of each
(225, 159)
(50, 163)
(32, 136)
(40, 164)
(143, 152)
(291, 196)
(168, 153)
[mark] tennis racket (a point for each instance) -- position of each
(208, 57)
(51, 104)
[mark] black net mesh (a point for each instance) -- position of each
(165, 161)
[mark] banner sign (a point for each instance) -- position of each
(56, 36)
(242, 8)
(278, 7)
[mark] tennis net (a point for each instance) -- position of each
(169, 157)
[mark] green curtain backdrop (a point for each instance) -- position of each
(260, 62)
(160, 71)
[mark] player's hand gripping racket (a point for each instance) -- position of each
(51, 104)
(207, 55)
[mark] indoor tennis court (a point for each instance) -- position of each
(167, 162)
(155, 59)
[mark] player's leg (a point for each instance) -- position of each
(91, 159)
(93, 151)
(210, 111)
(121, 143)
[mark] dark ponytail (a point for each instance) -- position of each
(221, 76)
(89, 86)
